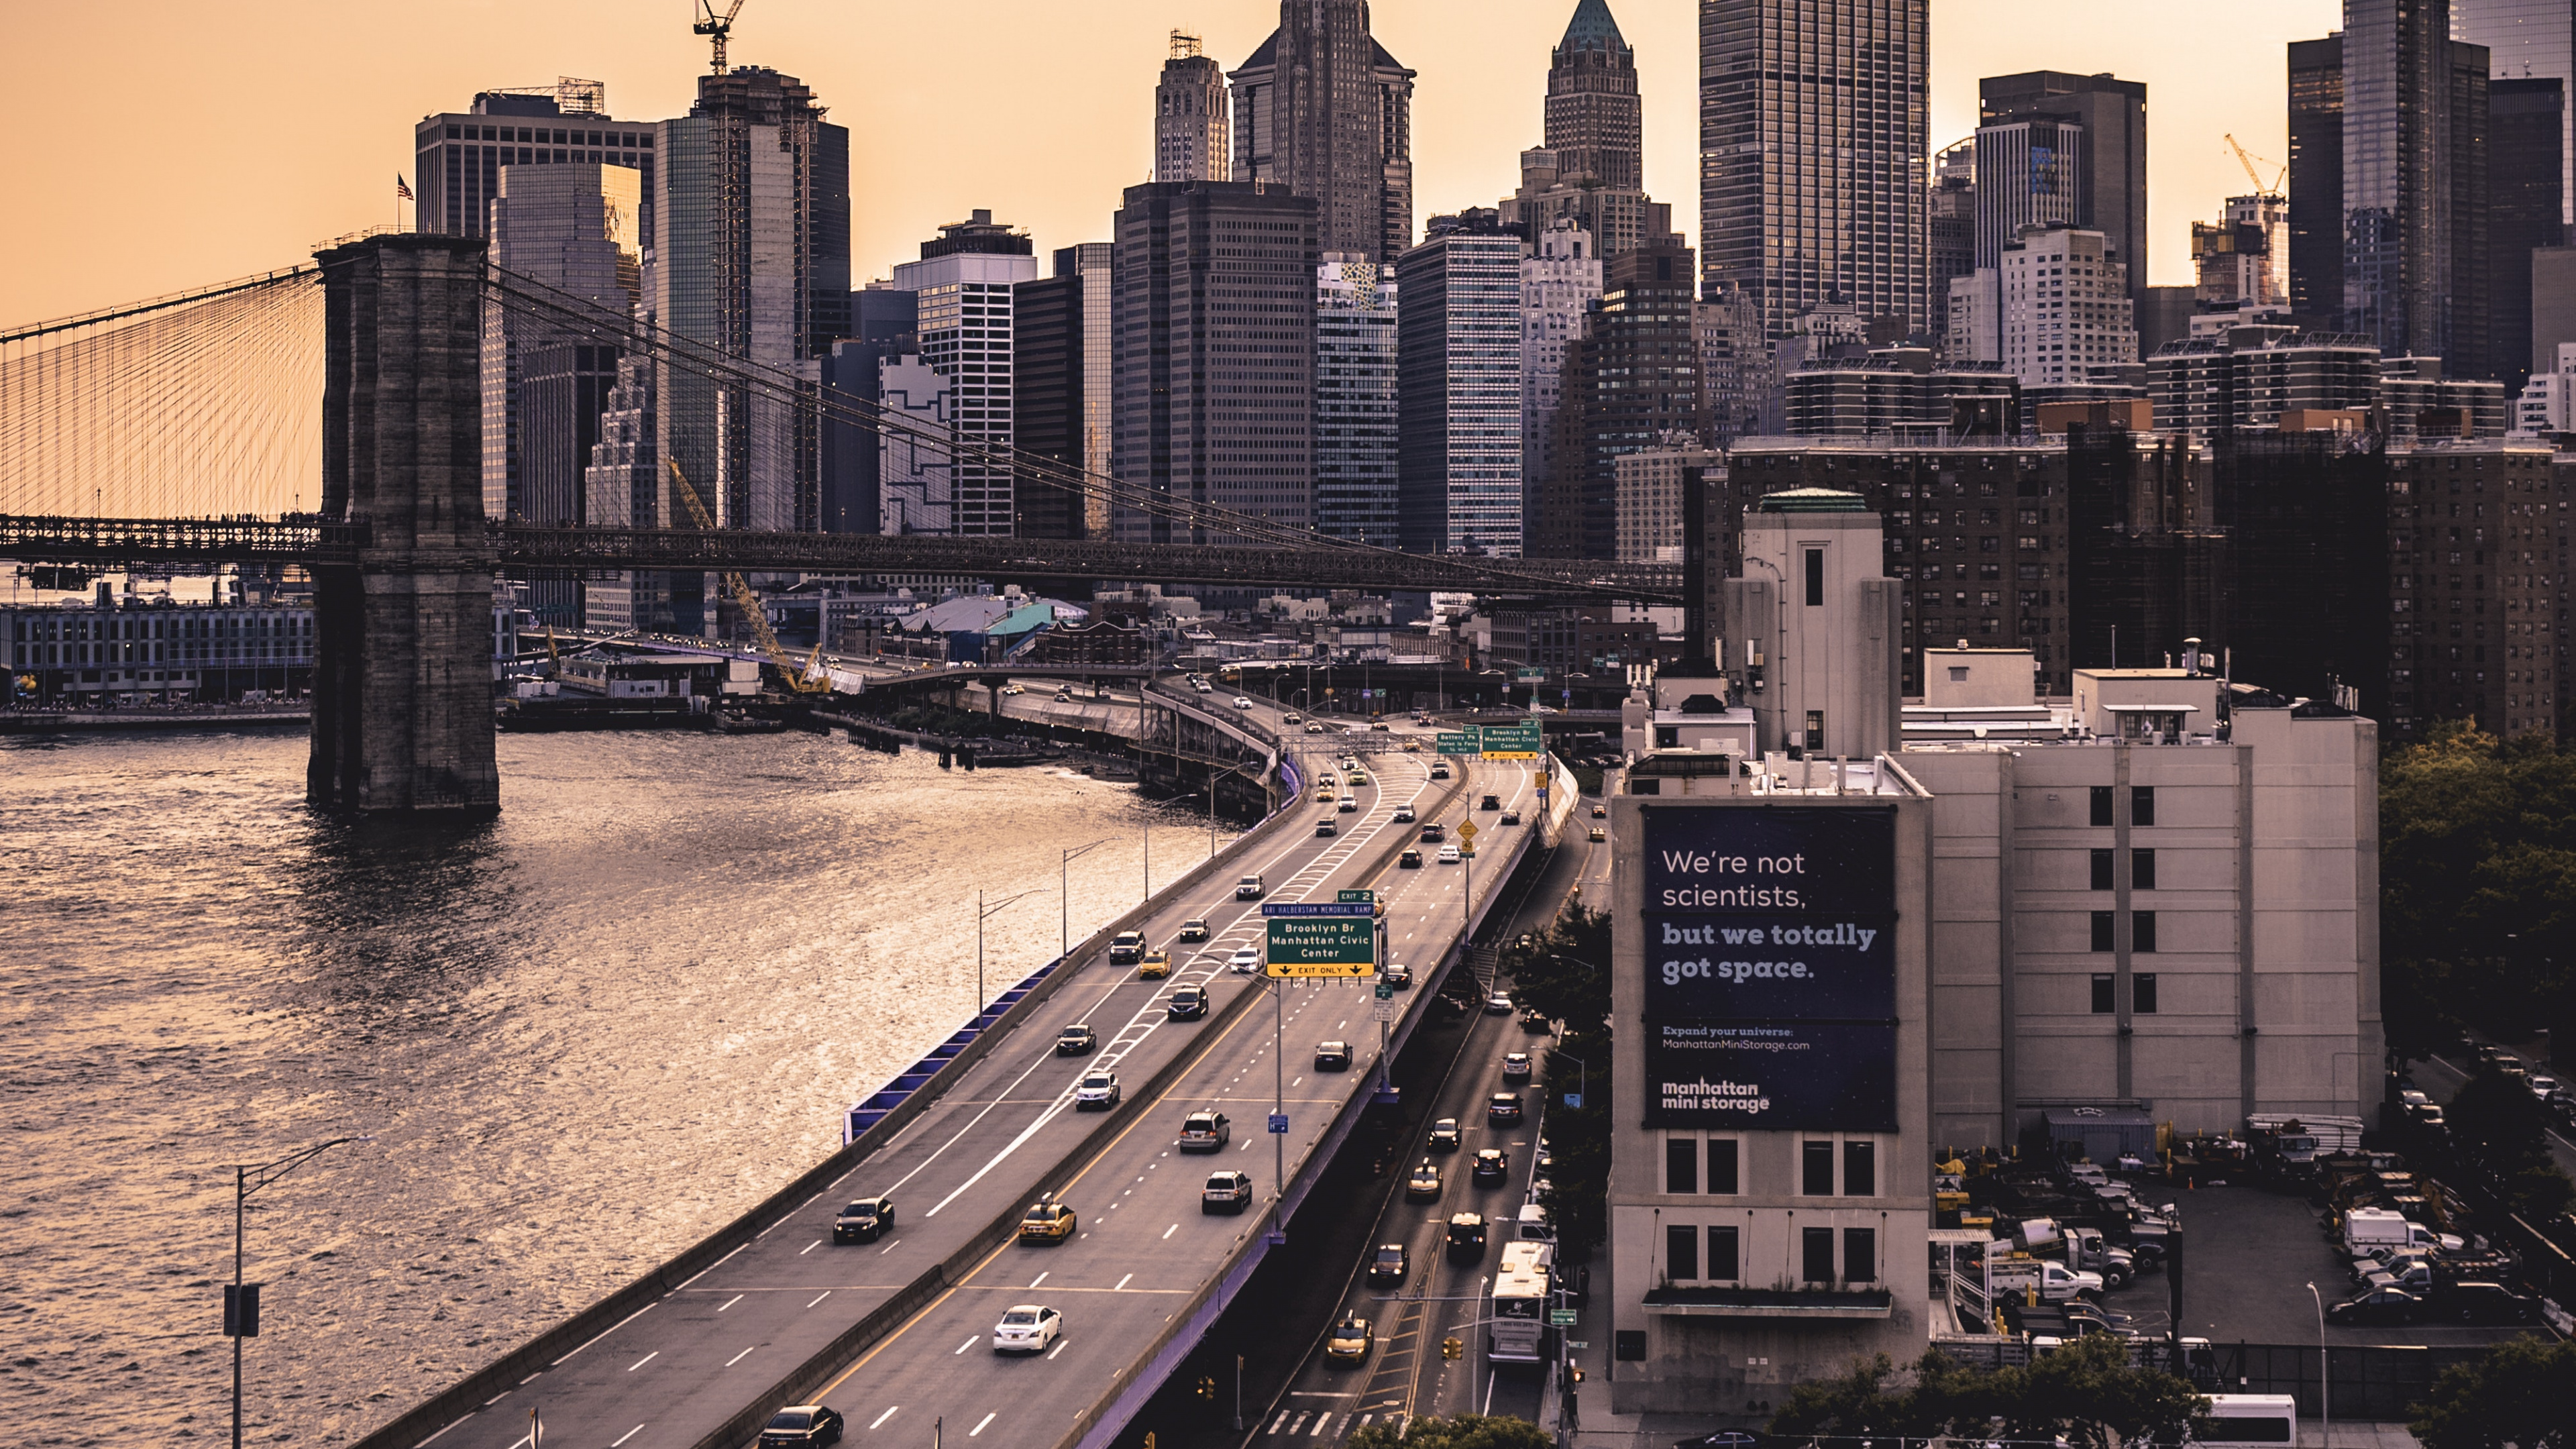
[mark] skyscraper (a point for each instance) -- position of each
(572, 228)
(2111, 192)
(2527, 129)
(1560, 282)
(1060, 350)
(2030, 173)
(1189, 116)
(1458, 388)
(882, 316)
(1631, 382)
(2063, 306)
(1951, 228)
(2414, 180)
(962, 300)
(1323, 109)
(1590, 169)
(458, 156)
(2316, 181)
(1214, 353)
(1813, 154)
(1355, 420)
(2240, 259)
(2528, 40)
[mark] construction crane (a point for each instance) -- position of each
(552, 652)
(716, 27)
(2244, 160)
(801, 678)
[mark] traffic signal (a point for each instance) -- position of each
(1452, 1349)
(1207, 1388)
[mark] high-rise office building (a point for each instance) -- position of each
(1190, 115)
(751, 242)
(1323, 109)
(882, 316)
(2316, 181)
(2033, 175)
(2528, 40)
(1060, 351)
(1630, 382)
(1355, 420)
(2065, 308)
(2240, 261)
(1813, 154)
(1214, 353)
(1590, 169)
(1458, 388)
(458, 156)
(1950, 227)
(916, 467)
(1560, 281)
(2113, 187)
(962, 289)
(2525, 171)
(2414, 181)
(572, 228)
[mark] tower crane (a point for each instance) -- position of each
(2242, 159)
(806, 678)
(716, 27)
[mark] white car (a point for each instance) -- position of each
(1027, 1328)
(1098, 1091)
(1245, 961)
(1516, 1066)
(1243, 701)
(1449, 855)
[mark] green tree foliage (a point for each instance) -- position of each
(1466, 1431)
(2086, 1392)
(1564, 974)
(2517, 1396)
(2499, 1121)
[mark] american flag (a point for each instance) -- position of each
(402, 188)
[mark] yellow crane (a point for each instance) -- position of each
(715, 27)
(800, 678)
(2247, 161)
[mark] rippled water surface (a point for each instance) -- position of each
(581, 1036)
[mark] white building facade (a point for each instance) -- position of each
(1558, 282)
(2064, 307)
(963, 319)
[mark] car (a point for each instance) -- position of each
(1404, 815)
(1187, 1004)
(1352, 1339)
(1314, 729)
(1466, 1237)
(1326, 827)
(1075, 1041)
(1063, 695)
(1013, 689)
(1411, 747)
(1332, 1056)
(1098, 1092)
(1410, 860)
(2378, 1305)
(1379, 727)
(1498, 1005)
(1155, 966)
(1535, 1023)
(1599, 834)
(2484, 1303)
(1389, 1266)
(2542, 1086)
(1491, 1167)
(2412, 1099)
(1424, 1184)
(1204, 1132)
(1349, 804)
(802, 1424)
(1434, 833)
(1027, 1328)
(1398, 976)
(1245, 960)
(1600, 812)
(1126, 947)
(1440, 769)
(1502, 1108)
(1510, 817)
(2430, 1118)
(1194, 929)
(1243, 701)
(1516, 1066)
(863, 1221)
(1490, 802)
(1226, 1192)
(1447, 1009)
(1722, 1439)
(1444, 1135)
(1449, 855)
(1292, 719)
(1047, 1221)
(1248, 889)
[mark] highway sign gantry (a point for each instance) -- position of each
(1316, 938)
(1511, 742)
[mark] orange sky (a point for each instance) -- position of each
(160, 144)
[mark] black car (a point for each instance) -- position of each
(1187, 1004)
(1390, 1266)
(1466, 1237)
(1444, 1135)
(1492, 1166)
(1535, 1023)
(2484, 1303)
(802, 1424)
(1398, 976)
(1510, 817)
(2379, 1305)
(1503, 1107)
(1075, 1041)
(1410, 860)
(863, 1221)
(1490, 802)
(1435, 832)
(1333, 1056)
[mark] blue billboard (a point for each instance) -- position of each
(1812, 1076)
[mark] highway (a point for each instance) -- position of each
(681, 1367)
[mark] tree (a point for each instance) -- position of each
(1870, 1396)
(2087, 1392)
(2515, 1395)
(1563, 973)
(1466, 1431)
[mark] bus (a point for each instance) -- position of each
(1519, 1330)
(2248, 1421)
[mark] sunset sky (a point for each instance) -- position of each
(164, 144)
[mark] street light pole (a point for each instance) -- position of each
(1064, 869)
(981, 915)
(2325, 1406)
(247, 1179)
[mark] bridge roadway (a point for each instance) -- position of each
(684, 1366)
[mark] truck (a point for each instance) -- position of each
(2080, 1248)
(2326, 1135)
(2009, 1272)
(2367, 1230)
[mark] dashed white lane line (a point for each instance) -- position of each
(1123, 1281)
(1042, 1277)
(970, 1343)
(809, 1247)
(1176, 1227)
(888, 1248)
(737, 1358)
(728, 1303)
(979, 1427)
(826, 1293)
(622, 1438)
(648, 1358)
(880, 1419)
(1059, 1348)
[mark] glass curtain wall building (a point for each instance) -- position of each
(1355, 432)
(1458, 386)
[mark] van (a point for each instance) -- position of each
(1248, 888)
(1533, 1224)
(2247, 1421)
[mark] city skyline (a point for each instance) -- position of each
(1479, 97)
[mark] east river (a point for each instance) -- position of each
(580, 1036)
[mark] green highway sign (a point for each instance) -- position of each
(1356, 898)
(1527, 675)
(1560, 1318)
(1511, 742)
(1462, 743)
(1386, 991)
(1322, 946)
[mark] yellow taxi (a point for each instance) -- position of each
(1155, 966)
(1046, 1221)
(1358, 778)
(1351, 1341)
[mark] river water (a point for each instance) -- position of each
(580, 1036)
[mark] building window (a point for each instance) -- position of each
(1681, 1252)
(2101, 805)
(1817, 1246)
(1723, 1258)
(2142, 870)
(1815, 732)
(2142, 931)
(2102, 994)
(1815, 578)
(1681, 1164)
(1860, 1169)
(1860, 1255)
(1722, 1178)
(2142, 993)
(2101, 930)
(2102, 871)
(1816, 1169)
(2142, 805)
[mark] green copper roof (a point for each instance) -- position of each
(1592, 27)
(1811, 500)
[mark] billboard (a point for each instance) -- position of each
(1769, 998)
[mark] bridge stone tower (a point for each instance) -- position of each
(402, 673)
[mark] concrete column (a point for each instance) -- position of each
(402, 671)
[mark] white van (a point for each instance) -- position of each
(1248, 888)
(2249, 1421)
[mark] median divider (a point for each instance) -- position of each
(549, 1347)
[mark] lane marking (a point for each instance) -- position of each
(737, 1358)
(648, 1358)
(622, 1438)
(888, 1248)
(879, 1424)
(970, 1343)
(979, 1427)
(826, 1293)
(1059, 1348)
(1042, 1277)
(1122, 1283)
(728, 1303)
(1176, 1227)
(809, 1247)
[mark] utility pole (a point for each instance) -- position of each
(241, 1301)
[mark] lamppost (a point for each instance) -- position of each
(1064, 927)
(241, 1307)
(2325, 1409)
(981, 914)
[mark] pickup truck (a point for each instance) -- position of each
(2055, 1281)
